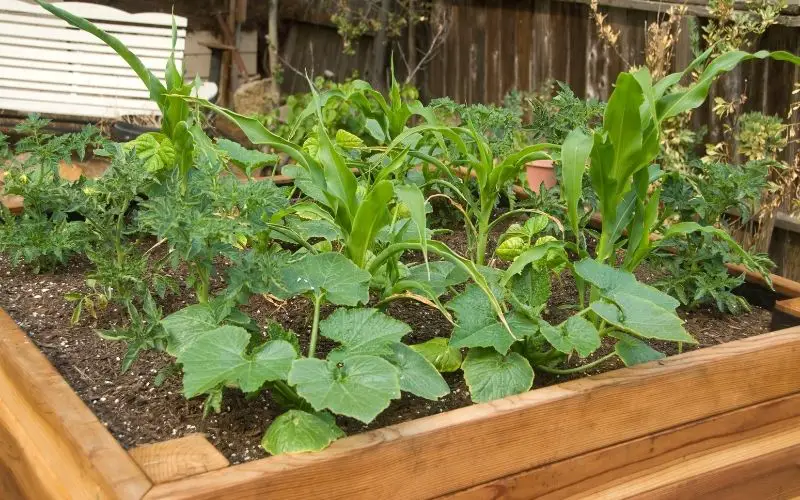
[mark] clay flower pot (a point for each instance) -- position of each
(540, 172)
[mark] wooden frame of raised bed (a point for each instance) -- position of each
(723, 420)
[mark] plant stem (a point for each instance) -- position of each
(203, 285)
(577, 369)
(483, 234)
(118, 241)
(312, 345)
(291, 395)
(293, 235)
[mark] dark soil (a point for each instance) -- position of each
(138, 412)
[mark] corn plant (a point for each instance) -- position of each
(173, 146)
(622, 153)
(470, 159)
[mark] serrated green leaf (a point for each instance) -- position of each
(582, 334)
(155, 149)
(646, 319)
(248, 159)
(440, 354)
(362, 331)
(633, 351)
(610, 280)
(532, 287)
(443, 274)
(184, 326)
(477, 325)
(358, 386)
(491, 375)
(331, 274)
(298, 431)
(220, 357)
(348, 140)
(533, 256)
(511, 248)
(576, 334)
(536, 224)
(642, 318)
(417, 375)
(311, 145)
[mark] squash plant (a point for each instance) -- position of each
(369, 367)
(624, 314)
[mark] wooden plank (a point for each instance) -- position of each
(783, 286)
(107, 100)
(660, 6)
(69, 69)
(700, 476)
(113, 29)
(96, 12)
(472, 445)
(33, 54)
(787, 222)
(84, 47)
(72, 109)
(789, 306)
(51, 445)
(74, 89)
(588, 472)
(178, 458)
(72, 78)
(137, 43)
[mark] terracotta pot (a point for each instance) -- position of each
(539, 172)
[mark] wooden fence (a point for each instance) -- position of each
(494, 46)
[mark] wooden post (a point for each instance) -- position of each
(411, 57)
(379, 47)
(272, 49)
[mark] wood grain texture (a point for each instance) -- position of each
(726, 468)
(51, 445)
(178, 458)
(789, 306)
(469, 446)
(591, 471)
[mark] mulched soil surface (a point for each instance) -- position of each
(137, 412)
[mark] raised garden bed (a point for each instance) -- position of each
(718, 420)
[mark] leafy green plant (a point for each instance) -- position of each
(358, 211)
(479, 180)
(695, 263)
(500, 126)
(554, 117)
(49, 231)
(172, 148)
(369, 115)
(696, 273)
(622, 152)
(519, 238)
(369, 367)
(144, 331)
